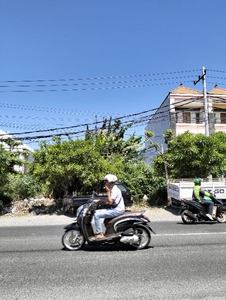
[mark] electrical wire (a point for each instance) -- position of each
(209, 82)
(142, 119)
(64, 82)
(96, 88)
(84, 82)
(218, 71)
(102, 77)
(50, 109)
(99, 83)
(98, 122)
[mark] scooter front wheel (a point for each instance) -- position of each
(73, 240)
(144, 236)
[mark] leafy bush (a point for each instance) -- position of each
(5, 199)
(158, 197)
(21, 186)
(1, 206)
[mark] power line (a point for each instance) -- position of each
(82, 83)
(133, 121)
(142, 119)
(64, 82)
(97, 83)
(97, 122)
(215, 83)
(68, 133)
(85, 124)
(216, 77)
(101, 77)
(94, 88)
(218, 71)
(50, 109)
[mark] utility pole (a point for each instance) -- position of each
(206, 112)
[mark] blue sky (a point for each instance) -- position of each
(67, 63)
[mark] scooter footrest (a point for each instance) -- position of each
(113, 235)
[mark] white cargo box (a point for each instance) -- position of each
(184, 189)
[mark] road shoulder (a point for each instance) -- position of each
(154, 214)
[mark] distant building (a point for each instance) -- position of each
(183, 110)
(20, 148)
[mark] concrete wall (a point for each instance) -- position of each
(158, 124)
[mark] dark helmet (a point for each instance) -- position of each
(197, 181)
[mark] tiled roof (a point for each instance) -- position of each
(217, 91)
(184, 90)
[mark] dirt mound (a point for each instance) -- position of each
(31, 206)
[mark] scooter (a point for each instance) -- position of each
(131, 228)
(194, 211)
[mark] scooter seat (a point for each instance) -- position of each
(127, 213)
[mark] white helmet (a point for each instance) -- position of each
(110, 178)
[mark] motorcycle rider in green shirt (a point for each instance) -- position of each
(203, 197)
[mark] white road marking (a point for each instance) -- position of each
(184, 234)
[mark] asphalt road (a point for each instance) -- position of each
(182, 262)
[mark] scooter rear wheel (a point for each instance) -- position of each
(185, 217)
(73, 240)
(221, 218)
(144, 237)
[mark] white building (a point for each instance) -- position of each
(183, 110)
(21, 148)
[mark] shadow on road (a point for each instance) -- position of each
(199, 223)
(108, 248)
(176, 211)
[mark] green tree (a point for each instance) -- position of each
(190, 155)
(67, 166)
(141, 180)
(110, 140)
(9, 158)
(21, 186)
(5, 163)
(156, 146)
(80, 165)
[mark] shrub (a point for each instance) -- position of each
(21, 187)
(1, 206)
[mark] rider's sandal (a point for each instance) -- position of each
(98, 236)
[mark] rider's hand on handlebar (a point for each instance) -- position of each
(97, 200)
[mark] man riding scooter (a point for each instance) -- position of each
(116, 202)
(203, 197)
(131, 228)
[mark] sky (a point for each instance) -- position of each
(71, 63)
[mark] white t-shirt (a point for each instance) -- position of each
(116, 195)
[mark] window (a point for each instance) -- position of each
(197, 118)
(223, 118)
(122, 187)
(186, 117)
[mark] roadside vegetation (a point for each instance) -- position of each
(67, 166)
